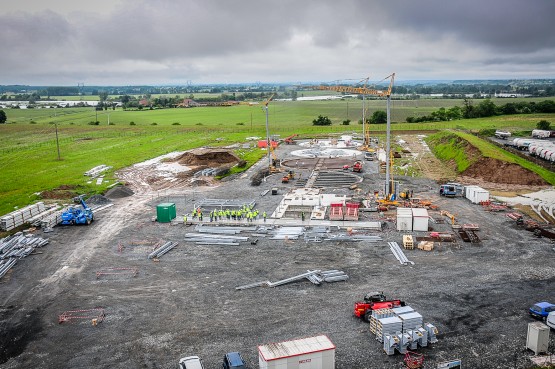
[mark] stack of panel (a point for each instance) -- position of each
(389, 326)
(411, 321)
(21, 216)
(378, 314)
(402, 310)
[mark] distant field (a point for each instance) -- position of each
(28, 145)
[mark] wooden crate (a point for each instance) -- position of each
(408, 242)
(426, 245)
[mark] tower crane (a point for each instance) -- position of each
(271, 167)
(366, 144)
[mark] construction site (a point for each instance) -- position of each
(189, 265)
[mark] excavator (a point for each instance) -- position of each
(290, 140)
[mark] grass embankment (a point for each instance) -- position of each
(451, 146)
(28, 145)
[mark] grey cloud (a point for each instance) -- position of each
(139, 41)
(505, 25)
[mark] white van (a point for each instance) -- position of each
(550, 321)
(190, 362)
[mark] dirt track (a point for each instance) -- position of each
(186, 304)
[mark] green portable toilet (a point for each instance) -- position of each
(165, 212)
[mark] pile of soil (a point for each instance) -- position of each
(119, 192)
(497, 171)
(208, 157)
(62, 192)
(98, 200)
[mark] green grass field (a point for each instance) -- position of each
(28, 145)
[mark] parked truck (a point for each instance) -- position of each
(451, 189)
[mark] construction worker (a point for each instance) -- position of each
(264, 216)
(302, 216)
(200, 216)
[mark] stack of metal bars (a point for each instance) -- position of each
(223, 230)
(314, 276)
(6, 265)
(333, 275)
(214, 239)
(162, 250)
(291, 233)
(399, 254)
(20, 245)
(225, 204)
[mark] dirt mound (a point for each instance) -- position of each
(208, 157)
(119, 192)
(256, 179)
(98, 200)
(59, 193)
(497, 171)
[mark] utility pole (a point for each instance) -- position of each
(57, 142)
(268, 137)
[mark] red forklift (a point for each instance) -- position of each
(374, 301)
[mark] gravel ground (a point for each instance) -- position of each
(186, 303)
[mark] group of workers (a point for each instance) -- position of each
(245, 213)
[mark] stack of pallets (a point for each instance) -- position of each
(408, 242)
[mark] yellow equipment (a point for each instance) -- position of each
(272, 159)
(363, 91)
(366, 144)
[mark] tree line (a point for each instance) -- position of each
(485, 108)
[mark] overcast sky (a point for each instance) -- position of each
(131, 42)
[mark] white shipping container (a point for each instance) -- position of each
(476, 194)
(420, 219)
(404, 219)
(305, 353)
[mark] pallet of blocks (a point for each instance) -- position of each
(408, 242)
(377, 314)
(386, 326)
(426, 245)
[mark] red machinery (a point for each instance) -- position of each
(357, 166)
(374, 301)
(289, 140)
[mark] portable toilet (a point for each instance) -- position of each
(420, 219)
(404, 219)
(165, 212)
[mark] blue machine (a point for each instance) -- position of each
(78, 214)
